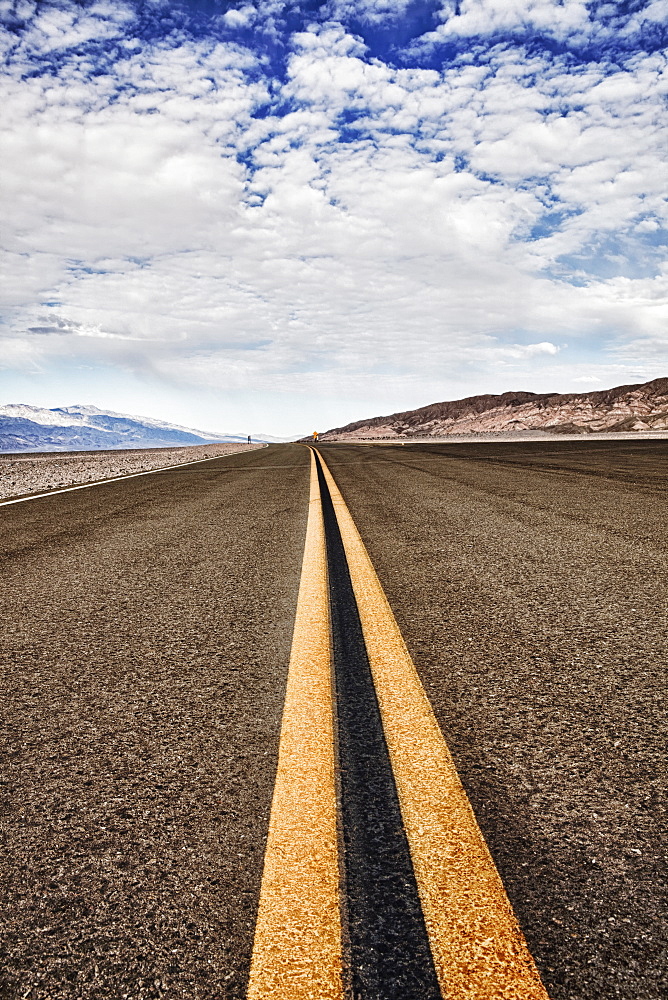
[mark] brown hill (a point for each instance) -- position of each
(626, 408)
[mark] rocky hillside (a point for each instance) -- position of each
(625, 408)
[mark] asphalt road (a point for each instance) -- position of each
(530, 582)
(146, 633)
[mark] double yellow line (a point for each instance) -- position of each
(478, 948)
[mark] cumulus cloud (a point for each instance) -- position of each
(181, 205)
(574, 23)
(240, 17)
(373, 11)
(487, 17)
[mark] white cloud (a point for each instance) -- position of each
(372, 11)
(545, 347)
(240, 17)
(487, 17)
(53, 28)
(656, 12)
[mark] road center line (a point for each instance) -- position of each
(297, 950)
(478, 948)
(388, 953)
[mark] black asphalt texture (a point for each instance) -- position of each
(388, 953)
(146, 629)
(146, 634)
(531, 583)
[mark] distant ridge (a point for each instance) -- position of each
(87, 428)
(640, 407)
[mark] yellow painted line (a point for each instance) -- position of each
(478, 947)
(297, 949)
(114, 479)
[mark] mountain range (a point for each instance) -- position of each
(87, 428)
(640, 407)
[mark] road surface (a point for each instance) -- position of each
(148, 626)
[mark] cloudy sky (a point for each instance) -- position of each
(281, 216)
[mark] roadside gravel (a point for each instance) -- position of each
(21, 474)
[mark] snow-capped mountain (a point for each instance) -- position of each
(87, 428)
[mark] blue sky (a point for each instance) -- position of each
(282, 216)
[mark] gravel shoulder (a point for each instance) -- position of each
(529, 581)
(21, 474)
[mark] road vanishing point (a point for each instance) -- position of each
(352, 722)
